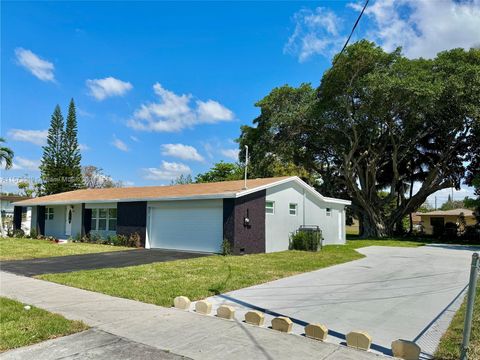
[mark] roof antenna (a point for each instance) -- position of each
(246, 166)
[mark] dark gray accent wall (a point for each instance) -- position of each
(87, 221)
(245, 238)
(17, 217)
(40, 220)
(132, 218)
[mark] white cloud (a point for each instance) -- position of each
(316, 32)
(83, 147)
(424, 27)
(181, 151)
(84, 113)
(421, 27)
(39, 67)
(230, 153)
(37, 137)
(174, 112)
(211, 112)
(134, 138)
(119, 144)
(100, 89)
(167, 171)
(21, 163)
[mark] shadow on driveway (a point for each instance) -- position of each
(114, 259)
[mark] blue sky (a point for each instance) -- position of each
(162, 88)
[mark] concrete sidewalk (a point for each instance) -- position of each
(90, 344)
(180, 332)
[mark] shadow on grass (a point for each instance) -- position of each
(220, 287)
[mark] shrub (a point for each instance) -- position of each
(33, 233)
(305, 240)
(226, 248)
(18, 233)
(134, 240)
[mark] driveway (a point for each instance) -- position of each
(393, 293)
(112, 259)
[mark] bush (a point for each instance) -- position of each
(451, 230)
(305, 240)
(226, 248)
(131, 240)
(18, 233)
(33, 233)
(134, 240)
(471, 234)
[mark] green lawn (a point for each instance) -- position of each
(449, 348)
(20, 327)
(160, 283)
(18, 249)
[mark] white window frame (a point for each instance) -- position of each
(272, 208)
(328, 211)
(295, 209)
(49, 211)
(96, 219)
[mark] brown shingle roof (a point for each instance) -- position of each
(224, 188)
(454, 212)
(14, 197)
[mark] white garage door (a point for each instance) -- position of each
(187, 225)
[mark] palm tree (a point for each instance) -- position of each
(6, 155)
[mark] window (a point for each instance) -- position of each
(270, 207)
(292, 209)
(329, 212)
(104, 219)
(48, 213)
(112, 219)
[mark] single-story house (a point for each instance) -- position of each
(433, 222)
(6, 210)
(194, 217)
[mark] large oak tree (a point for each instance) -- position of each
(377, 124)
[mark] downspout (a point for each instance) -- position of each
(303, 207)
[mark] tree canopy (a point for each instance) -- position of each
(221, 171)
(60, 164)
(377, 124)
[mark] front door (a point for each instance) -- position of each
(68, 220)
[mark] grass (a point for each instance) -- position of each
(21, 248)
(160, 283)
(20, 327)
(449, 348)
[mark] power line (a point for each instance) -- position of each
(351, 33)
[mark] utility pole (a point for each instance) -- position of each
(435, 202)
(472, 286)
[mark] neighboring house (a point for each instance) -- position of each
(195, 217)
(433, 222)
(6, 210)
(6, 203)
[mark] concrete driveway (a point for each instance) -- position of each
(393, 293)
(114, 259)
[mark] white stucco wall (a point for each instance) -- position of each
(56, 227)
(33, 218)
(310, 211)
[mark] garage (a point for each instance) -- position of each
(186, 225)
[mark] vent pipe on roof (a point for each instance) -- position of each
(246, 167)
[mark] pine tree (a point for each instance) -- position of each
(52, 165)
(71, 151)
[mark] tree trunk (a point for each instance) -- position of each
(374, 225)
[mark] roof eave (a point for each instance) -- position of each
(170, 198)
(300, 182)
